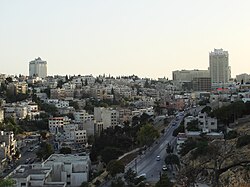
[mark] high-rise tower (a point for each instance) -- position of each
(38, 67)
(218, 66)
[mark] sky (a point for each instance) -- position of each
(148, 38)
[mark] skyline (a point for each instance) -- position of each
(145, 38)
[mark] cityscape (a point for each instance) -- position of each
(81, 130)
(124, 93)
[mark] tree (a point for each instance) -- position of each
(86, 82)
(130, 176)
(193, 125)
(172, 159)
(243, 140)
(231, 135)
(164, 181)
(114, 167)
(169, 149)
(65, 150)
(179, 129)
(7, 182)
(147, 135)
(218, 157)
(146, 84)
(85, 184)
(118, 182)
(110, 153)
(187, 146)
(45, 151)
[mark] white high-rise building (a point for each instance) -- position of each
(219, 69)
(38, 67)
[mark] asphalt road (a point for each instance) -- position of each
(26, 156)
(148, 163)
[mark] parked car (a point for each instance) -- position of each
(164, 168)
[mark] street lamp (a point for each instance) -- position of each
(135, 165)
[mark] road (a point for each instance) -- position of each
(26, 155)
(147, 163)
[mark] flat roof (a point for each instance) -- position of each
(25, 170)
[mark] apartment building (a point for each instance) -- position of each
(82, 115)
(1, 115)
(72, 169)
(206, 123)
(243, 78)
(108, 116)
(56, 124)
(9, 149)
(34, 176)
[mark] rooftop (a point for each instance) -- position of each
(23, 171)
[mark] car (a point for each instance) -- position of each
(158, 158)
(143, 175)
(173, 124)
(164, 168)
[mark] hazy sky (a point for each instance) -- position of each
(149, 38)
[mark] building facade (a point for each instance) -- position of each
(201, 84)
(219, 67)
(189, 75)
(38, 68)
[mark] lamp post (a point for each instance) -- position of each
(135, 165)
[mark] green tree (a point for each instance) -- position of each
(7, 182)
(130, 176)
(243, 140)
(45, 151)
(85, 184)
(180, 129)
(169, 149)
(231, 135)
(147, 134)
(110, 153)
(118, 182)
(193, 126)
(172, 159)
(164, 181)
(187, 146)
(65, 150)
(114, 167)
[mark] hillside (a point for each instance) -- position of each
(219, 162)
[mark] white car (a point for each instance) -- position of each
(164, 168)
(158, 158)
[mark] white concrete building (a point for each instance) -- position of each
(72, 133)
(108, 116)
(62, 104)
(243, 78)
(206, 123)
(82, 115)
(34, 176)
(10, 143)
(1, 115)
(219, 67)
(56, 123)
(38, 67)
(72, 169)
